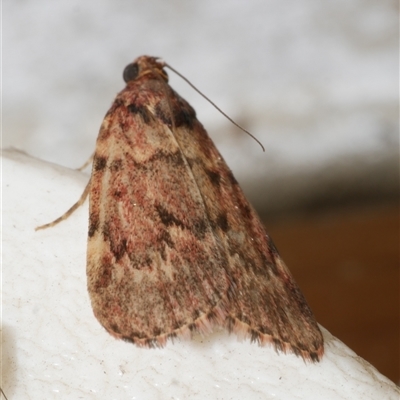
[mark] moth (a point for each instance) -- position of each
(174, 247)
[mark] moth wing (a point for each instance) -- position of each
(173, 243)
(264, 301)
(154, 266)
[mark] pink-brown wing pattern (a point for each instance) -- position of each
(173, 245)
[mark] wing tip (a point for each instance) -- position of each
(205, 324)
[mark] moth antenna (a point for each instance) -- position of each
(213, 104)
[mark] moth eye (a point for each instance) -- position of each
(130, 72)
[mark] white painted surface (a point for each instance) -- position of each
(54, 348)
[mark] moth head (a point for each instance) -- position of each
(145, 65)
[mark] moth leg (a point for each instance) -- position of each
(69, 212)
(89, 161)
(1, 391)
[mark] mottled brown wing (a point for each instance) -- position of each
(264, 301)
(154, 264)
(173, 243)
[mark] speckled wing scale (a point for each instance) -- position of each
(174, 246)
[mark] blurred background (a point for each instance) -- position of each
(316, 82)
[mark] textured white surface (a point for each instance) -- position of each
(54, 348)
